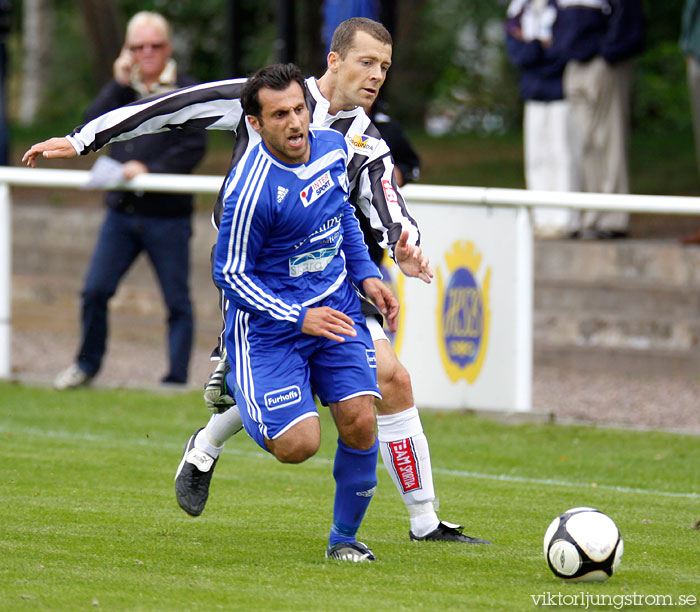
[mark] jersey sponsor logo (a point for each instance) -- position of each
(403, 456)
(281, 194)
(463, 312)
(315, 261)
(329, 228)
(315, 190)
(282, 398)
(371, 358)
(389, 192)
(361, 143)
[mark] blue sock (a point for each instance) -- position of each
(355, 473)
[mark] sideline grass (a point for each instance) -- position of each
(90, 520)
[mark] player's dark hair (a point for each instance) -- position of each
(275, 76)
(344, 34)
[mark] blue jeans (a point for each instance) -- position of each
(122, 238)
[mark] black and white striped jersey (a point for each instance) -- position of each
(216, 106)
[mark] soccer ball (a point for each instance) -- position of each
(583, 545)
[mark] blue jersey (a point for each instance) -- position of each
(288, 236)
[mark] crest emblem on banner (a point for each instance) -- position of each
(463, 313)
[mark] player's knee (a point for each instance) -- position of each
(395, 386)
(360, 432)
(298, 443)
(401, 379)
(390, 371)
(296, 452)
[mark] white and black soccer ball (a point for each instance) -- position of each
(583, 545)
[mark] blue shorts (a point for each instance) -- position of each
(274, 368)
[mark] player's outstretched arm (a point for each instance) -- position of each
(328, 322)
(53, 148)
(411, 260)
(384, 299)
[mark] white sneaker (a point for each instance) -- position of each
(71, 378)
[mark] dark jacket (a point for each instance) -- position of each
(613, 30)
(405, 157)
(541, 70)
(172, 151)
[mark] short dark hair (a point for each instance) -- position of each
(344, 34)
(275, 76)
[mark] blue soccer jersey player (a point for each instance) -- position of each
(289, 244)
(357, 66)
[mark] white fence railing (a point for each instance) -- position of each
(418, 194)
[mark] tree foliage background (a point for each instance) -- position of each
(448, 58)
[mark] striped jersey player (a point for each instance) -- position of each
(216, 106)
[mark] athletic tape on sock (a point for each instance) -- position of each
(398, 426)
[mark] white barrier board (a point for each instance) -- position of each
(466, 338)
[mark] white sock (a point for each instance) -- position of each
(218, 430)
(406, 457)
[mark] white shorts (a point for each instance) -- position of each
(375, 329)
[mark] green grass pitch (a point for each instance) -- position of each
(90, 521)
